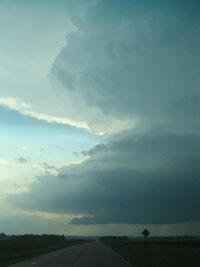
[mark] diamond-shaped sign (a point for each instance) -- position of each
(145, 232)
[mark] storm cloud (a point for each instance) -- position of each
(130, 65)
(144, 179)
(135, 60)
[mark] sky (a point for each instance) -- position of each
(99, 117)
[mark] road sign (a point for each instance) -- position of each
(146, 232)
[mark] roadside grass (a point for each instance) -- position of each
(158, 254)
(12, 251)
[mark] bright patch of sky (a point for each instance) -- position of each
(39, 141)
(32, 36)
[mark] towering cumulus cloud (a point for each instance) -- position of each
(135, 61)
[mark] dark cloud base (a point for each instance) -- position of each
(150, 179)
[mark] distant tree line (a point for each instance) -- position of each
(113, 238)
(32, 237)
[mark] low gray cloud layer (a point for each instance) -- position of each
(144, 179)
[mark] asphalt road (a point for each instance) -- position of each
(93, 254)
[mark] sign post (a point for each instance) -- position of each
(145, 234)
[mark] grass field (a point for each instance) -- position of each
(158, 254)
(12, 251)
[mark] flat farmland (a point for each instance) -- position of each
(13, 251)
(159, 254)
